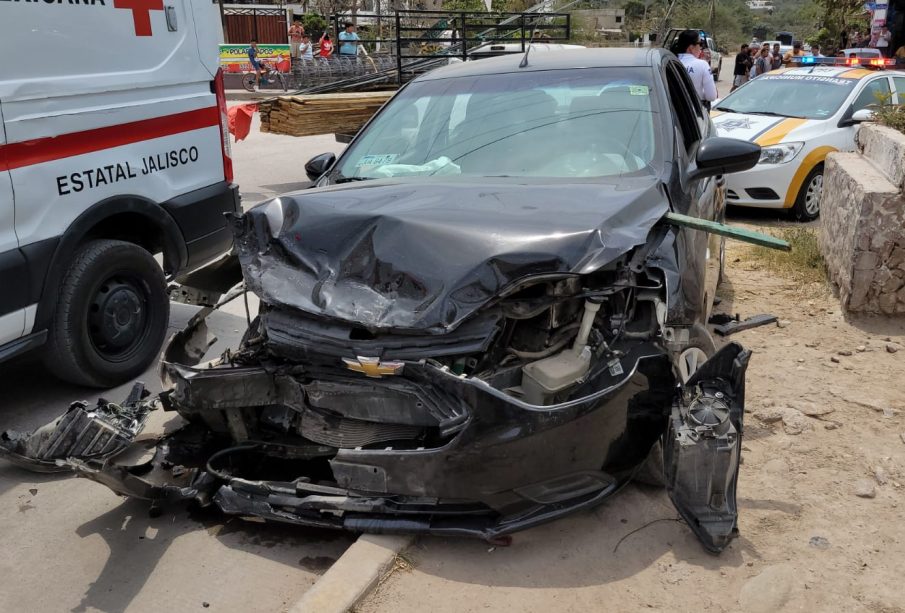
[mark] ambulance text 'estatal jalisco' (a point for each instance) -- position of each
(122, 171)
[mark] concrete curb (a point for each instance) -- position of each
(353, 576)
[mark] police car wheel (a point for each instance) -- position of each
(807, 204)
(111, 316)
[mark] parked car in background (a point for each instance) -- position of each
(799, 115)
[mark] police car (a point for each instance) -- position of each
(798, 115)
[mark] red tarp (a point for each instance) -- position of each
(240, 119)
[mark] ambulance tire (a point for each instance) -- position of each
(111, 316)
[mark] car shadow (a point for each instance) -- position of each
(138, 540)
(632, 531)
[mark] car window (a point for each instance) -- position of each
(682, 104)
(899, 83)
(560, 123)
(810, 96)
(875, 93)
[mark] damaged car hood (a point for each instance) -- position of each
(425, 255)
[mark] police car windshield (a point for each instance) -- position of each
(807, 96)
(582, 123)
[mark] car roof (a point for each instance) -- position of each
(555, 60)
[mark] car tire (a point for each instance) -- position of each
(807, 203)
(111, 315)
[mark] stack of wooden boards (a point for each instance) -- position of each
(320, 114)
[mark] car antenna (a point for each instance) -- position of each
(524, 61)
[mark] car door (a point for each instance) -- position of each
(12, 313)
(871, 91)
(899, 87)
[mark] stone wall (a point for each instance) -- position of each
(862, 212)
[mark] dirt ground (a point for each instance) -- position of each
(821, 494)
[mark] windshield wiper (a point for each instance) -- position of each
(773, 114)
(350, 179)
(723, 108)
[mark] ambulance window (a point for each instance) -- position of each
(874, 93)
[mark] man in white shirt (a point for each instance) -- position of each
(688, 47)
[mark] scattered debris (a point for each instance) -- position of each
(754, 321)
(865, 489)
(819, 542)
(783, 323)
(881, 475)
(835, 360)
(844, 353)
(891, 348)
(831, 425)
(860, 348)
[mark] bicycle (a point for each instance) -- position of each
(248, 80)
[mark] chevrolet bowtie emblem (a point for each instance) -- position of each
(373, 367)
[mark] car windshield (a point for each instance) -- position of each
(810, 96)
(582, 123)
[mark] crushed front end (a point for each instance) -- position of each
(366, 398)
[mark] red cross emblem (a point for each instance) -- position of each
(141, 13)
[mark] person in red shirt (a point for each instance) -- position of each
(326, 46)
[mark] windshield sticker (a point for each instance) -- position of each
(818, 78)
(638, 90)
(377, 160)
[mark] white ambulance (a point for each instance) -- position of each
(113, 148)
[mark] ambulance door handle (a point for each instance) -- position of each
(171, 18)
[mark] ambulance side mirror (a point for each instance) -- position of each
(318, 165)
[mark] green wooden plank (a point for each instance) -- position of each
(740, 234)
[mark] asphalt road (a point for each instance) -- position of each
(72, 545)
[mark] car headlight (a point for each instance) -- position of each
(779, 154)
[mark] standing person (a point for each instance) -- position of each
(348, 41)
(795, 52)
(255, 63)
(296, 31)
(305, 48)
(764, 62)
(742, 66)
(689, 47)
(815, 51)
(883, 41)
(856, 40)
(753, 55)
(325, 46)
(777, 56)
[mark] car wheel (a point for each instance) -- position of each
(111, 315)
(807, 204)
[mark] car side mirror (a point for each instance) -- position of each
(318, 165)
(718, 155)
(862, 115)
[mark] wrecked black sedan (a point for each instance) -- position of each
(484, 316)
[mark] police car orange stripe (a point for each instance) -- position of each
(27, 153)
(778, 132)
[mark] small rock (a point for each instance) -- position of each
(890, 412)
(831, 425)
(769, 416)
(844, 352)
(206, 605)
(33, 491)
(794, 422)
(801, 360)
(813, 345)
(835, 360)
(813, 410)
(819, 542)
(783, 323)
(860, 348)
(891, 348)
(865, 489)
(768, 591)
(880, 475)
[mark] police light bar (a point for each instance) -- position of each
(863, 62)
